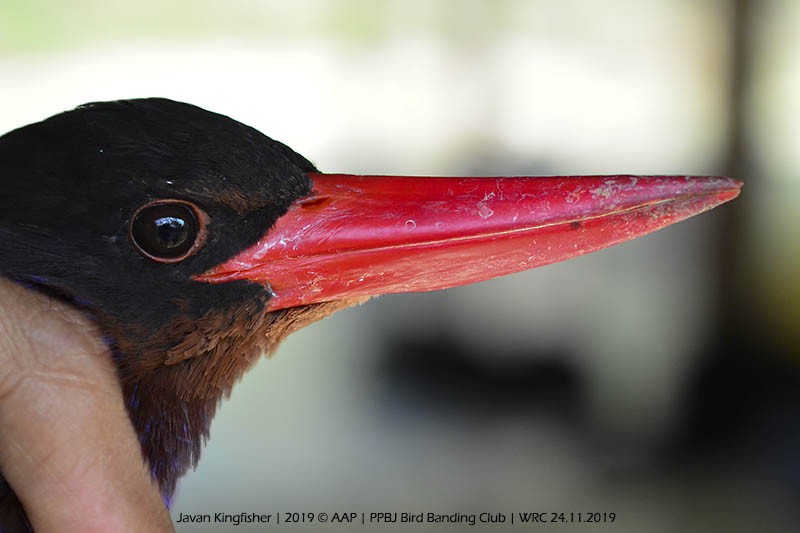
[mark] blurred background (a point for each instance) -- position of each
(659, 380)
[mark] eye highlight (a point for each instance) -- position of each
(167, 231)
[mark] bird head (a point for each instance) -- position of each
(198, 243)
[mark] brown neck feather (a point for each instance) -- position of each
(174, 379)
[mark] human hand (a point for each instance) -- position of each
(67, 447)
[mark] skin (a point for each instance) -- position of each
(67, 446)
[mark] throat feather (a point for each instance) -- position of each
(174, 382)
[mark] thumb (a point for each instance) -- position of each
(67, 447)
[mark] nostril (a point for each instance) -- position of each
(315, 202)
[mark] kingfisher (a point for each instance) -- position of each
(197, 244)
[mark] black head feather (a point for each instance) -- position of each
(72, 183)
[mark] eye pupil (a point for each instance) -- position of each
(165, 231)
(171, 232)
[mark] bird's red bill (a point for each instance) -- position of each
(358, 236)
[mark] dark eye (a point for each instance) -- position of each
(166, 231)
